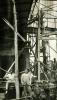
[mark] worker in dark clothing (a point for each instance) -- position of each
(54, 64)
(54, 67)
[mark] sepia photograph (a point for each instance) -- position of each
(28, 49)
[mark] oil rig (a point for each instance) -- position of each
(28, 39)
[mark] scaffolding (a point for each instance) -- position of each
(36, 42)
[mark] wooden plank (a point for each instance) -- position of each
(38, 42)
(16, 51)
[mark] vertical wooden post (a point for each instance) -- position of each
(39, 41)
(16, 52)
(56, 45)
(56, 35)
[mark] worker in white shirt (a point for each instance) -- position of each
(26, 79)
(31, 76)
(10, 77)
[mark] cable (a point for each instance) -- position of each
(51, 15)
(36, 6)
(51, 7)
(48, 13)
(45, 5)
(48, 8)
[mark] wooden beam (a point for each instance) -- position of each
(10, 67)
(38, 35)
(50, 17)
(6, 21)
(16, 52)
(47, 38)
(29, 29)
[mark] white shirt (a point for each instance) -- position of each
(10, 77)
(30, 76)
(26, 78)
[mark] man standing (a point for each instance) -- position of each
(54, 64)
(26, 80)
(54, 68)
